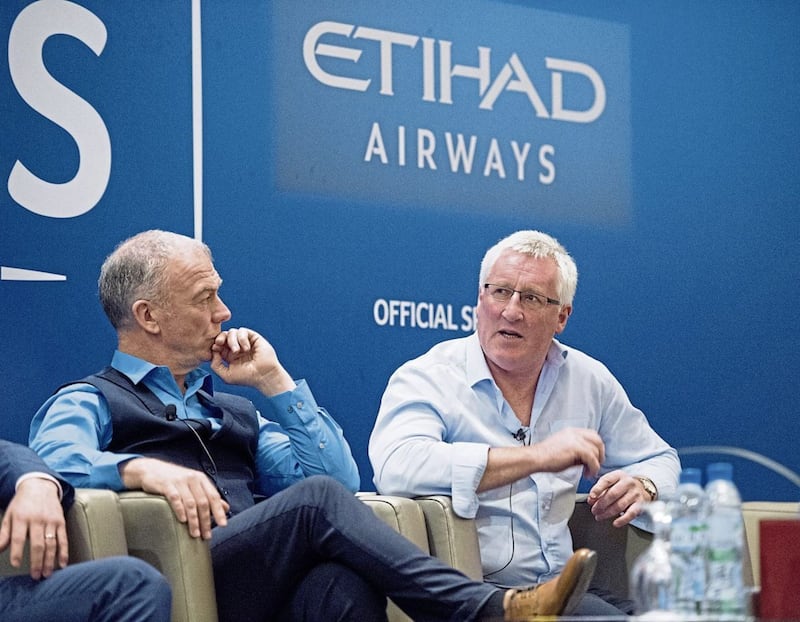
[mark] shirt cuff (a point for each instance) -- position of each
(40, 475)
(468, 463)
(299, 403)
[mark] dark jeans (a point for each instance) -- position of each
(315, 552)
(115, 589)
(602, 603)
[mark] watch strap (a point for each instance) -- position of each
(649, 487)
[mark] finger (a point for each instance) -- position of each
(218, 365)
(601, 486)
(216, 347)
(209, 504)
(589, 451)
(50, 550)
(591, 463)
(17, 537)
(246, 339)
(614, 504)
(175, 501)
(202, 505)
(611, 503)
(598, 453)
(190, 512)
(220, 512)
(63, 546)
(622, 519)
(595, 494)
(36, 549)
(630, 513)
(235, 340)
(5, 532)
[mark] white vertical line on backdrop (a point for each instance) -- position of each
(197, 119)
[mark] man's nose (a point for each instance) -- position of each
(222, 311)
(513, 307)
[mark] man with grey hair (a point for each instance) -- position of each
(153, 421)
(508, 419)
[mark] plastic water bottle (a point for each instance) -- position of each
(725, 593)
(688, 543)
(651, 573)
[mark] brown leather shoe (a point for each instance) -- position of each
(558, 596)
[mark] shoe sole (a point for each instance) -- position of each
(582, 584)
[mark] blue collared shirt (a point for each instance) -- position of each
(73, 428)
(442, 412)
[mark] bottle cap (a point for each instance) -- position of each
(719, 470)
(691, 475)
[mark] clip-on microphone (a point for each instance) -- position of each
(170, 412)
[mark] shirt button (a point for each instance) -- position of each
(290, 409)
(300, 404)
(322, 445)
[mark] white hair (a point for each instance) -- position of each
(541, 245)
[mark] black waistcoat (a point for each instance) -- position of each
(141, 426)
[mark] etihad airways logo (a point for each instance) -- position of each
(336, 40)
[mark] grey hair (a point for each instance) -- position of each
(137, 270)
(541, 245)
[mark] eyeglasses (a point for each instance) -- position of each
(528, 299)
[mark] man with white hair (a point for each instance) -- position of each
(508, 419)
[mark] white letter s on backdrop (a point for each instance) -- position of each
(33, 26)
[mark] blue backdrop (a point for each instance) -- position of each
(349, 163)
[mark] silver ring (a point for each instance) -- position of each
(49, 536)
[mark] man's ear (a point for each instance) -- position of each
(146, 316)
(563, 315)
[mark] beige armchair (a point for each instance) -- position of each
(104, 523)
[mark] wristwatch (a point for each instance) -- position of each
(649, 487)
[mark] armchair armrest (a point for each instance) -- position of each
(405, 517)
(401, 514)
(154, 534)
(94, 528)
(451, 538)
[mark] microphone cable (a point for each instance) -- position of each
(170, 412)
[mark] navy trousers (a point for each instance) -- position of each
(315, 552)
(115, 589)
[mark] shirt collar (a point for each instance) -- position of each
(478, 370)
(137, 370)
(557, 354)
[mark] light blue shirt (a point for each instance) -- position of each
(73, 428)
(442, 412)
